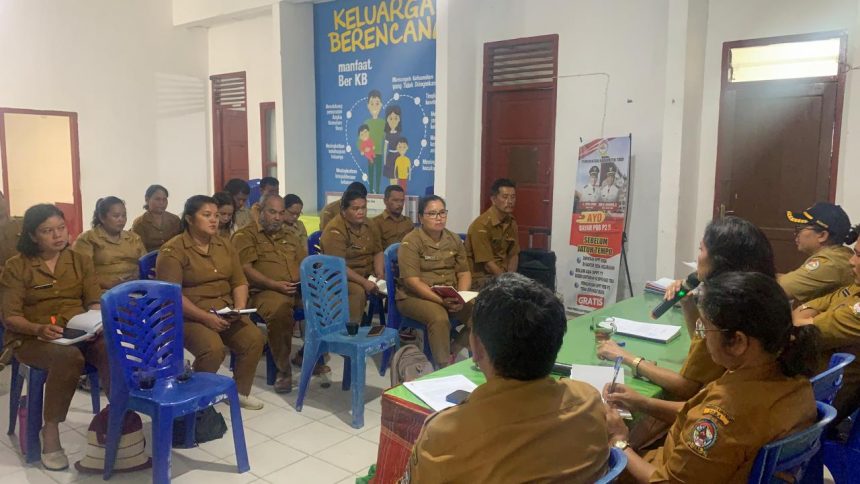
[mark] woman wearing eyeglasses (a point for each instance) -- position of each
(822, 233)
(745, 322)
(434, 256)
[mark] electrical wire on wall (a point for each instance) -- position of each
(605, 93)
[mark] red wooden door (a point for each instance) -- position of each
(229, 128)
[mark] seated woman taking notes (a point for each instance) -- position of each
(207, 267)
(43, 288)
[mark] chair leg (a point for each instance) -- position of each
(35, 396)
(358, 369)
(311, 355)
(116, 416)
(242, 463)
(271, 368)
(189, 439)
(16, 386)
(347, 377)
(162, 438)
(232, 361)
(95, 391)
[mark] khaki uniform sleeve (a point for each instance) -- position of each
(237, 277)
(839, 327)
(408, 260)
(333, 242)
(13, 284)
(376, 227)
(92, 291)
(245, 246)
(137, 242)
(137, 227)
(325, 216)
(699, 366)
(168, 266)
(482, 246)
(423, 465)
(515, 249)
(460, 259)
(83, 245)
(806, 282)
(375, 239)
(821, 304)
(717, 463)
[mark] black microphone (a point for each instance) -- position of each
(691, 283)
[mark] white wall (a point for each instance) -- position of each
(625, 39)
(249, 45)
(210, 12)
(137, 84)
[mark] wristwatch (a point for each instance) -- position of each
(636, 362)
(620, 444)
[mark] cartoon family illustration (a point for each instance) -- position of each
(382, 143)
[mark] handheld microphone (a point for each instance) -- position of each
(691, 283)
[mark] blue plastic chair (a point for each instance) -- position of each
(254, 196)
(146, 265)
(143, 331)
(791, 455)
(617, 463)
(826, 384)
(314, 242)
(843, 459)
(35, 398)
(324, 294)
(395, 319)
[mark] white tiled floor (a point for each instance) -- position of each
(316, 445)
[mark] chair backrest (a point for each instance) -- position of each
(143, 331)
(791, 454)
(617, 463)
(462, 237)
(826, 384)
(146, 265)
(314, 243)
(254, 196)
(324, 294)
(392, 272)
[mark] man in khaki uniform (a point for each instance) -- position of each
(821, 231)
(350, 237)
(492, 240)
(10, 230)
(240, 191)
(332, 210)
(268, 185)
(270, 256)
(391, 226)
(517, 426)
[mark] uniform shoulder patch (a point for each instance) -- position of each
(166, 249)
(812, 264)
(718, 414)
(703, 436)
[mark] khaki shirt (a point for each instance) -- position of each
(32, 291)
(839, 322)
(699, 366)
(10, 230)
(435, 263)
(276, 256)
(826, 271)
(329, 213)
(241, 218)
(255, 212)
(390, 230)
(719, 432)
(113, 261)
(358, 247)
(298, 229)
(515, 431)
(153, 235)
(491, 239)
(207, 278)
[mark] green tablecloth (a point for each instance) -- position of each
(578, 346)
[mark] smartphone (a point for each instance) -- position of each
(376, 330)
(72, 333)
(457, 397)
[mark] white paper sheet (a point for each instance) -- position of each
(598, 377)
(380, 283)
(229, 310)
(661, 333)
(89, 321)
(434, 390)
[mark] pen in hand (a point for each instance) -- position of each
(615, 375)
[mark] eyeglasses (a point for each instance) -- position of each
(799, 229)
(439, 214)
(701, 330)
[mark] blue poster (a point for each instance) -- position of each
(376, 94)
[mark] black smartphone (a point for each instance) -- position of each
(376, 330)
(457, 397)
(72, 333)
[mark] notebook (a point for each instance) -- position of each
(449, 292)
(81, 328)
(661, 333)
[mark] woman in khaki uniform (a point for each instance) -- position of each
(729, 244)
(43, 288)
(765, 395)
(226, 211)
(434, 256)
(820, 232)
(292, 224)
(207, 267)
(156, 226)
(115, 252)
(351, 237)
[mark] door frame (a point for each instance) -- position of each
(265, 107)
(839, 78)
(217, 152)
(75, 146)
(488, 89)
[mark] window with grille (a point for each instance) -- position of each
(228, 91)
(521, 63)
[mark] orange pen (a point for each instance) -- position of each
(54, 320)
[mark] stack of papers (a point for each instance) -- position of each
(661, 333)
(659, 286)
(433, 391)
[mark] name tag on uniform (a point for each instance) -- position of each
(44, 286)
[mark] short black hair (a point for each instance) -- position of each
(363, 127)
(291, 199)
(422, 204)
(222, 198)
(521, 324)
(497, 185)
(735, 244)
(755, 304)
(33, 218)
(193, 205)
(103, 206)
(349, 196)
(374, 94)
(402, 139)
(269, 181)
(356, 186)
(392, 188)
(236, 186)
(152, 190)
